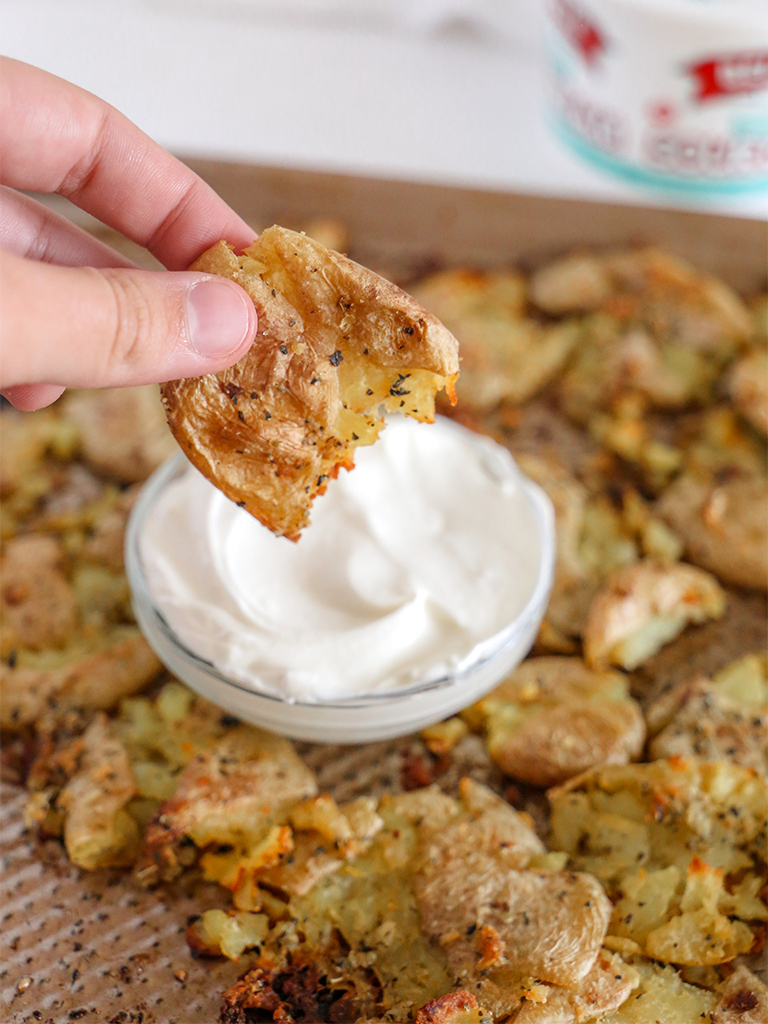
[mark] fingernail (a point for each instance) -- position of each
(219, 316)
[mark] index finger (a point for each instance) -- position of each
(57, 137)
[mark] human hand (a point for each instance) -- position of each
(74, 313)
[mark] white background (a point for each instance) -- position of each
(449, 91)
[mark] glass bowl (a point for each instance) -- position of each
(365, 717)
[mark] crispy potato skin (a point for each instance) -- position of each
(554, 718)
(335, 342)
(706, 724)
(91, 681)
(724, 525)
(98, 832)
(638, 597)
(748, 386)
(122, 433)
(37, 604)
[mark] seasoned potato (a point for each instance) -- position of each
(723, 523)
(27, 473)
(643, 606)
(662, 996)
(748, 387)
(38, 605)
(98, 831)
(335, 343)
(227, 795)
(573, 284)
(744, 999)
(680, 845)
(122, 431)
(554, 718)
(723, 718)
(94, 677)
(661, 329)
(504, 354)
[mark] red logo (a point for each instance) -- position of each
(581, 31)
(736, 74)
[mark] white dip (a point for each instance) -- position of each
(429, 547)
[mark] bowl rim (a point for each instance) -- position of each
(491, 648)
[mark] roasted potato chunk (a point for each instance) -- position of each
(748, 386)
(657, 328)
(336, 342)
(723, 523)
(122, 431)
(505, 355)
(554, 718)
(718, 719)
(227, 795)
(98, 831)
(39, 608)
(644, 606)
(89, 678)
(680, 845)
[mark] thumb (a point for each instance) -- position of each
(85, 327)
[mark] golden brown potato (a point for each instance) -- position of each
(723, 523)
(658, 328)
(505, 355)
(718, 719)
(38, 605)
(661, 995)
(680, 845)
(554, 718)
(122, 432)
(336, 342)
(644, 606)
(227, 795)
(748, 386)
(41, 691)
(573, 284)
(98, 831)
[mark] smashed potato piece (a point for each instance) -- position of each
(336, 342)
(723, 522)
(680, 845)
(90, 679)
(748, 387)
(478, 901)
(227, 795)
(554, 718)
(644, 606)
(455, 1008)
(744, 999)
(662, 996)
(574, 284)
(217, 933)
(38, 605)
(505, 356)
(29, 443)
(574, 582)
(98, 831)
(122, 430)
(663, 330)
(604, 988)
(723, 718)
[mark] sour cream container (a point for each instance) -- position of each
(670, 93)
(371, 626)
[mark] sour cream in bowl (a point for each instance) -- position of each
(420, 583)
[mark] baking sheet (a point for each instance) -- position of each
(93, 946)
